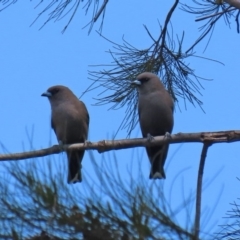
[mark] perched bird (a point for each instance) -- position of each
(155, 110)
(70, 121)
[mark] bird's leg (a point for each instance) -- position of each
(150, 138)
(87, 143)
(167, 135)
(60, 145)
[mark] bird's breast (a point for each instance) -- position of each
(69, 125)
(155, 116)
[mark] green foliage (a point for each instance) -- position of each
(36, 202)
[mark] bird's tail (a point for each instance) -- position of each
(157, 162)
(74, 166)
(157, 174)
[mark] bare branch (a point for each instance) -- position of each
(106, 145)
(103, 7)
(199, 189)
(164, 31)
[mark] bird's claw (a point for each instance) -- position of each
(150, 138)
(167, 135)
(60, 145)
(87, 143)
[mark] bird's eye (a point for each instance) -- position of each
(54, 91)
(144, 80)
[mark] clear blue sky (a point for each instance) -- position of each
(33, 60)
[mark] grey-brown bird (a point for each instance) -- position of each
(70, 121)
(155, 109)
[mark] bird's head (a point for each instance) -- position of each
(148, 82)
(57, 93)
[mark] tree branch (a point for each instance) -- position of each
(106, 145)
(103, 7)
(199, 190)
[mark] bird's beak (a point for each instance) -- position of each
(46, 94)
(137, 82)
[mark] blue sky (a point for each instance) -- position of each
(33, 60)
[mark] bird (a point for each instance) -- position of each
(70, 122)
(155, 111)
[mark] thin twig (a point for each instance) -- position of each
(164, 31)
(100, 10)
(199, 189)
(215, 14)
